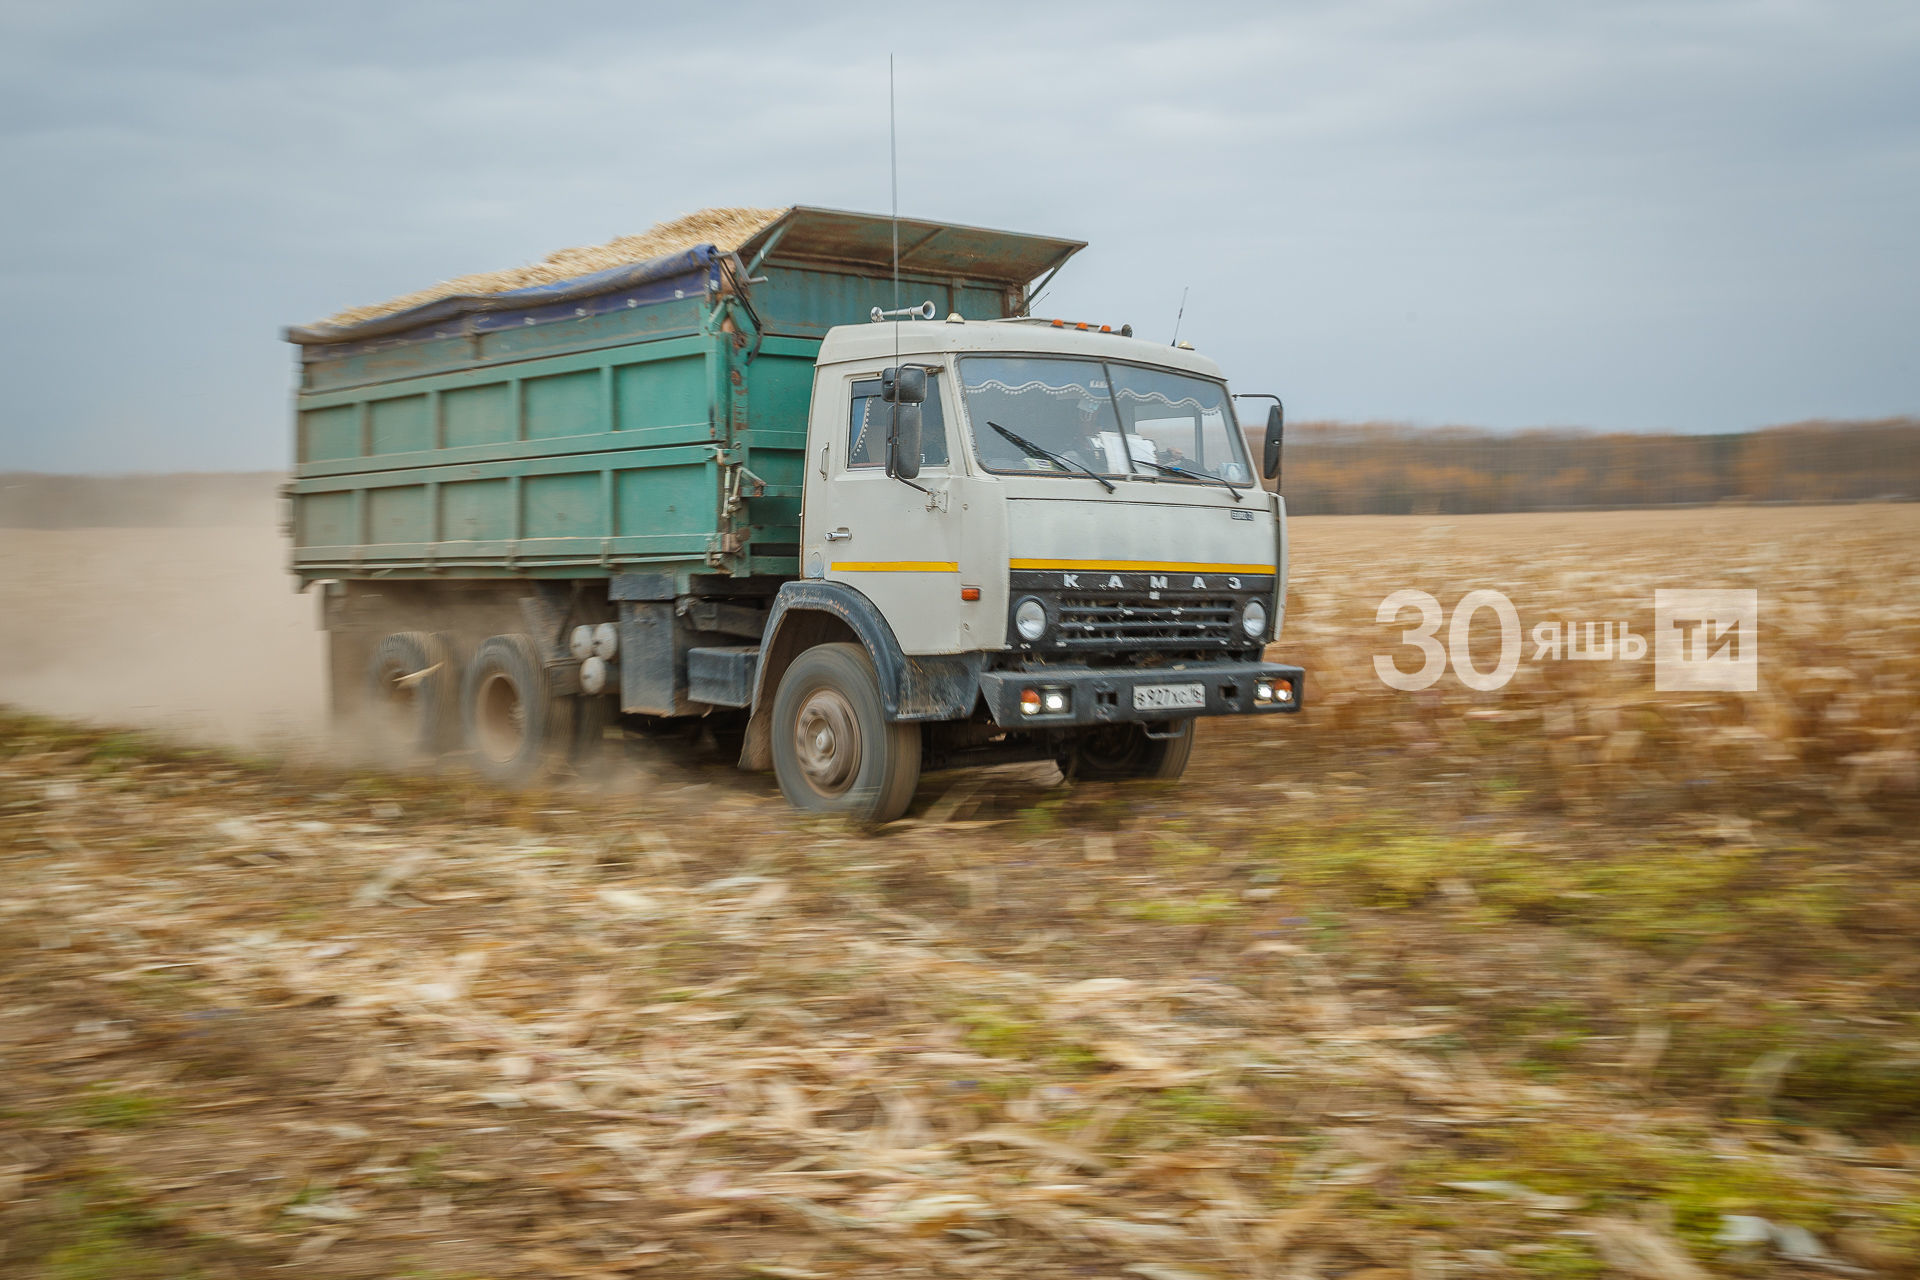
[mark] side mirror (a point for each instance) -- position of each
(1276, 429)
(904, 385)
(903, 438)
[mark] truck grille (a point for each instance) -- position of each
(1114, 622)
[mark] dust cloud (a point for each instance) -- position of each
(193, 631)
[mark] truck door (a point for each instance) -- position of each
(894, 544)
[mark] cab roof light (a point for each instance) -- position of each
(1088, 326)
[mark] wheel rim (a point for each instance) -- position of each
(500, 718)
(826, 741)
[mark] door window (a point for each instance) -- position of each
(867, 426)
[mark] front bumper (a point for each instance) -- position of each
(1105, 695)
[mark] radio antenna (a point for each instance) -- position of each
(893, 180)
(893, 175)
(1176, 320)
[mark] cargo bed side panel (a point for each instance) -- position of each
(575, 463)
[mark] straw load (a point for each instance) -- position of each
(723, 228)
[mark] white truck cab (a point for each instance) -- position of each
(1077, 561)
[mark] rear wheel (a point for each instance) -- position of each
(508, 709)
(834, 750)
(1124, 752)
(412, 695)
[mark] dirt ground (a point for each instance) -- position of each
(1559, 980)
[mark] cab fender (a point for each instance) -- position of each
(912, 687)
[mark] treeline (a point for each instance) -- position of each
(1334, 468)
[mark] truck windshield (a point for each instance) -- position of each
(1102, 415)
(1064, 406)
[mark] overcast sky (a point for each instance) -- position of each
(1684, 214)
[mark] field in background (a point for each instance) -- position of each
(1836, 717)
(198, 632)
(1564, 979)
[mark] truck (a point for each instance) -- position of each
(747, 489)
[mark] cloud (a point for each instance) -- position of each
(1692, 214)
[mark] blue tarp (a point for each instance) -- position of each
(639, 283)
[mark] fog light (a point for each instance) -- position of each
(1055, 701)
(1253, 620)
(1030, 619)
(1029, 702)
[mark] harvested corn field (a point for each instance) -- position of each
(724, 228)
(1448, 983)
(1835, 715)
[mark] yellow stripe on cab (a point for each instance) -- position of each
(895, 566)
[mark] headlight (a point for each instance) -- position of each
(1253, 620)
(1030, 619)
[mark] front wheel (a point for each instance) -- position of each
(834, 750)
(1124, 753)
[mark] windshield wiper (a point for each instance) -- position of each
(1193, 475)
(1035, 451)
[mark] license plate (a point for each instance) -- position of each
(1159, 697)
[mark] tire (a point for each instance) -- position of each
(508, 710)
(834, 750)
(412, 695)
(1124, 753)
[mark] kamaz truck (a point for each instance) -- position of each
(749, 490)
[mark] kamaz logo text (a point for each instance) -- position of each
(1155, 582)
